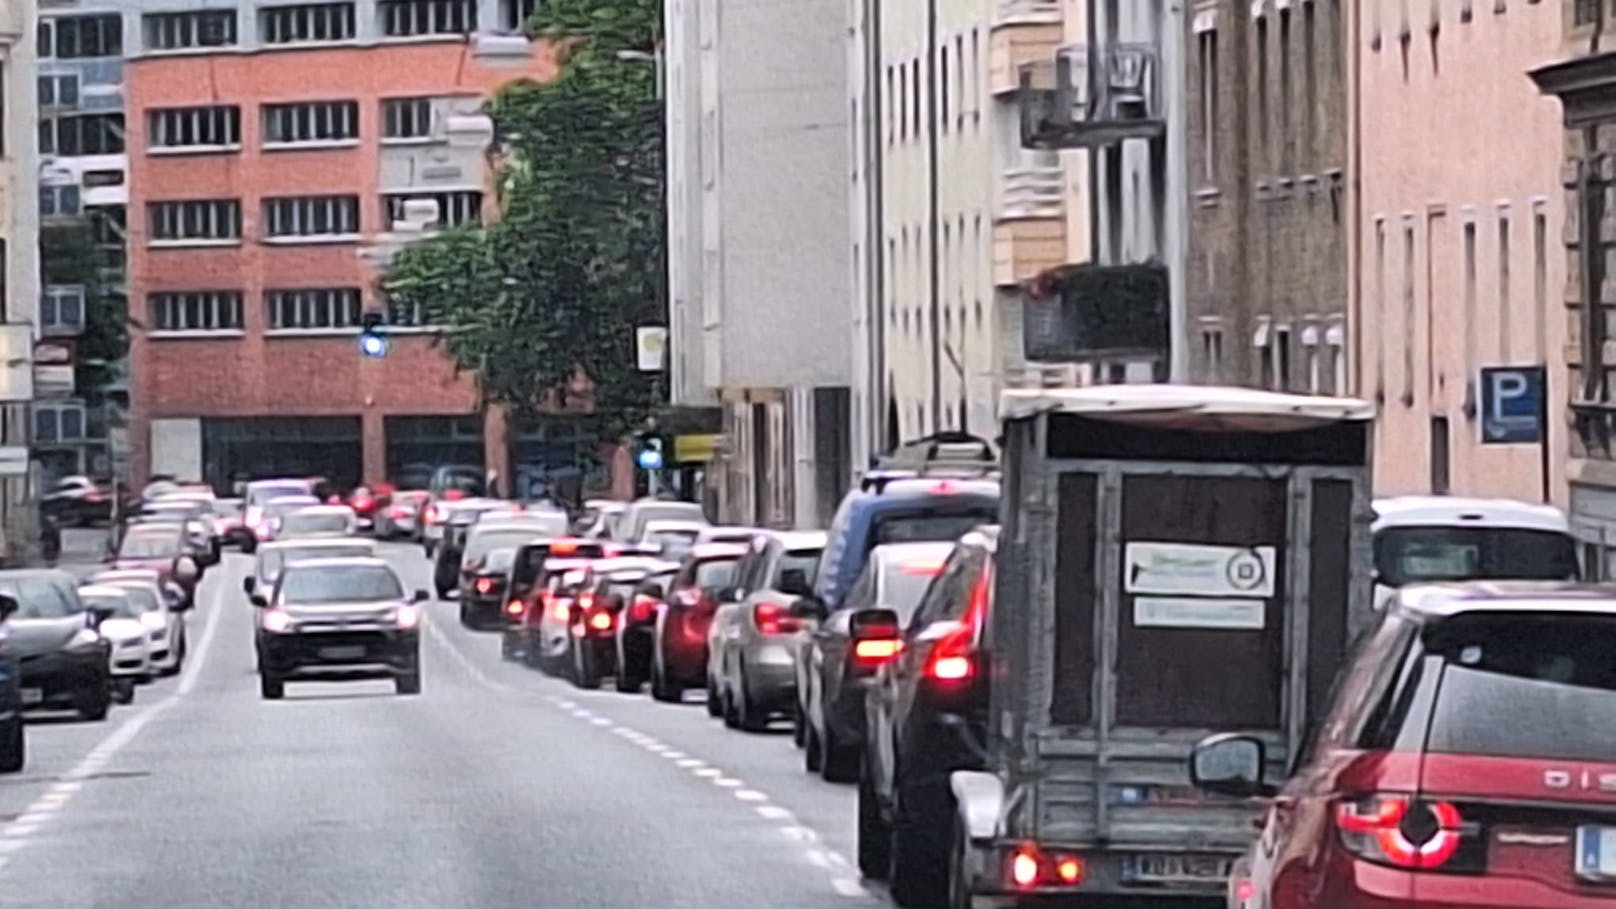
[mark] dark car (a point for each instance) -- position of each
(482, 588)
(635, 597)
(841, 655)
(679, 637)
(13, 748)
(925, 710)
(594, 614)
(535, 570)
(339, 619)
(76, 502)
(482, 585)
(62, 660)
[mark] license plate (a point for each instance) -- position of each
(31, 696)
(1166, 868)
(1596, 854)
(352, 652)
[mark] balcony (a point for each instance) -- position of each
(1037, 191)
(1099, 96)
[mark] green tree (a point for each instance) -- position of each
(556, 286)
(69, 254)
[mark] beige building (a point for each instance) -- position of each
(19, 163)
(1456, 264)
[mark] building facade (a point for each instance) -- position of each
(758, 228)
(277, 155)
(19, 263)
(1454, 267)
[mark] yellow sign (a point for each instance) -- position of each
(694, 448)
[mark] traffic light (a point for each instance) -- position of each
(649, 452)
(372, 340)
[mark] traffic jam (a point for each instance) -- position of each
(1156, 643)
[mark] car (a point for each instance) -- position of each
(400, 517)
(366, 503)
(438, 516)
(163, 608)
(76, 501)
(194, 516)
(469, 536)
(751, 643)
(162, 549)
(338, 619)
(257, 497)
(669, 537)
(13, 741)
(633, 596)
(229, 521)
(63, 661)
(129, 662)
(630, 525)
(548, 622)
(839, 657)
(1463, 760)
(272, 557)
(318, 521)
(679, 635)
(597, 518)
(605, 589)
(275, 512)
(482, 584)
(535, 566)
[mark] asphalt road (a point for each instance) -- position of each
(495, 787)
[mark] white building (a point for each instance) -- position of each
(758, 270)
(19, 235)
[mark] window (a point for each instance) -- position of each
(1212, 354)
(1503, 285)
(403, 18)
(1284, 88)
(413, 314)
(1309, 82)
(200, 220)
(178, 31)
(1585, 12)
(943, 82)
(406, 118)
(306, 23)
(311, 216)
(1315, 378)
(59, 201)
(914, 87)
(84, 134)
(194, 127)
(1208, 50)
(1439, 455)
(900, 103)
(95, 178)
(314, 308)
(1262, 77)
(1540, 281)
(1282, 358)
(59, 90)
(196, 310)
(308, 122)
(959, 67)
(1470, 300)
(108, 224)
(514, 14)
(61, 309)
(455, 209)
(78, 37)
(1408, 310)
(58, 423)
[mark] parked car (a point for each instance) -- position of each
(634, 596)
(129, 661)
(162, 549)
(76, 501)
(1427, 539)
(162, 613)
(63, 661)
(195, 517)
(751, 644)
(679, 636)
(535, 569)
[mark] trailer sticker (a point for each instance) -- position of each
(1198, 612)
(1199, 570)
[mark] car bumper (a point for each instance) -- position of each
(770, 682)
(483, 609)
(56, 678)
(340, 653)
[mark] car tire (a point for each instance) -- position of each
(748, 717)
(627, 684)
(123, 691)
(93, 703)
(874, 836)
(507, 648)
(661, 690)
(715, 703)
(918, 872)
(812, 753)
(732, 714)
(408, 684)
(583, 669)
(13, 746)
(249, 545)
(837, 762)
(270, 686)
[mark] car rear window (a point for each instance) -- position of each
(803, 560)
(904, 582)
(348, 584)
(1540, 686)
(928, 526)
(315, 523)
(149, 546)
(259, 495)
(483, 542)
(715, 573)
(144, 598)
(1407, 555)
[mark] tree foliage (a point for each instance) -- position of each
(69, 255)
(556, 286)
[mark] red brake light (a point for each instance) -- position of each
(1069, 869)
(1024, 867)
(877, 649)
(484, 585)
(1396, 830)
(563, 547)
(560, 610)
(600, 621)
(1029, 867)
(642, 608)
(953, 657)
(453, 495)
(921, 569)
(772, 618)
(514, 607)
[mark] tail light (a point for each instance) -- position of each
(93, 495)
(953, 658)
(513, 608)
(398, 511)
(601, 621)
(429, 515)
(1400, 831)
(560, 609)
(877, 650)
(277, 621)
(1028, 867)
(484, 585)
(642, 609)
(772, 618)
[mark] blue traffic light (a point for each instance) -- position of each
(650, 459)
(372, 344)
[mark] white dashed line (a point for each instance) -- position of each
(772, 812)
(847, 886)
(750, 795)
(727, 782)
(674, 755)
(687, 763)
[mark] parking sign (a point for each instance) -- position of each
(1513, 404)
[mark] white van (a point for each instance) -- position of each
(1449, 538)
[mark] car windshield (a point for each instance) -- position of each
(803, 560)
(500, 560)
(263, 495)
(1407, 555)
(347, 584)
(485, 540)
(149, 546)
(120, 606)
(326, 522)
(928, 526)
(468, 480)
(144, 597)
(715, 573)
(38, 598)
(904, 582)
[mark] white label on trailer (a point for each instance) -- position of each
(1198, 570)
(1198, 612)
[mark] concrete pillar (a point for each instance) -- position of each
(496, 445)
(373, 446)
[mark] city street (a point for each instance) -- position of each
(496, 787)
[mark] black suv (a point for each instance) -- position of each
(62, 660)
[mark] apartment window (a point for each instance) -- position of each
(944, 80)
(1503, 285)
(196, 310)
(83, 134)
(1441, 482)
(1265, 358)
(80, 37)
(1585, 11)
(1470, 313)
(455, 209)
(59, 201)
(887, 106)
(406, 118)
(900, 102)
(514, 14)
(1381, 308)
(411, 315)
(196, 220)
(311, 216)
(1262, 77)
(976, 86)
(959, 66)
(59, 90)
(1540, 282)
(315, 308)
(404, 18)
(1309, 81)
(1208, 51)
(306, 23)
(1211, 354)
(1282, 358)
(1408, 310)
(58, 422)
(61, 309)
(311, 122)
(914, 104)
(194, 127)
(1284, 88)
(178, 31)
(109, 224)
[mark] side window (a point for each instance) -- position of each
(938, 600)
(749, 573)
(863, 593)
(972, 564)
(1373, 662)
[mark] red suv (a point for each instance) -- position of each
(679, 638)
(1467, 758)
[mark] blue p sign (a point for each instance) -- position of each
(1512, 404)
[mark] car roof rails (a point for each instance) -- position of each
(952, 454)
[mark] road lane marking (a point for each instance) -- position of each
(774, 812)
(750, 795)
(850, 887)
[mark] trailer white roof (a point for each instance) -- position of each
(1207, 407)
(1460, 511)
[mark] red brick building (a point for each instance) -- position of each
(266, 175)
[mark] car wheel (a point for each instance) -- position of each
(123, 690)
(874, 836)
(270, 686)
(249, 545)
(715, 703)
(918, 871)
(583, 668)
(626, 684)
(13, 749)
(93, 703)
(732, 715)
(660, 689)
(443, 594)
(409, 683)
(507, 648)
(837, 762)
(747, 716)
(812, 756)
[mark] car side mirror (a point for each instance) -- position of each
(8, 606)
(247, 585)
(259, 599)
(1230, 764)
(419, 596)
(809, 607)
(795, 582)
